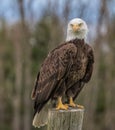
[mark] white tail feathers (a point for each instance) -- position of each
(40, 119)
(37, 122)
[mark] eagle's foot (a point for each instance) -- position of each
(80, 106)
(71, 102)
(72, 105)
(60, 105)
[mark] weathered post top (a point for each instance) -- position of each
(65, 119)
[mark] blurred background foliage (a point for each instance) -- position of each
(29, 29)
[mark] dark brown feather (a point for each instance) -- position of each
(33, 94)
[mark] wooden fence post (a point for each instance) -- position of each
(65, 119)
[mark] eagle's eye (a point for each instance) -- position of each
(80, 24)
(71, 25)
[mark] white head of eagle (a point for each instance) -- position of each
(77, 28)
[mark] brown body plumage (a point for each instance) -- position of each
(64, 72)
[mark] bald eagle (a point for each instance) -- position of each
(64, 71)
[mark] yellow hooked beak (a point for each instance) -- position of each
(75, 27)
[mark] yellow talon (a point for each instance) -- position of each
(71, 102)
(60, 105)
(80, 106)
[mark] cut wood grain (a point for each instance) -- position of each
(65, 119)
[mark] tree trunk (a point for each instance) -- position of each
(18, 81)
(27, 110)
(65, 120)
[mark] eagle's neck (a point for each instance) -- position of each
(71, 36)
